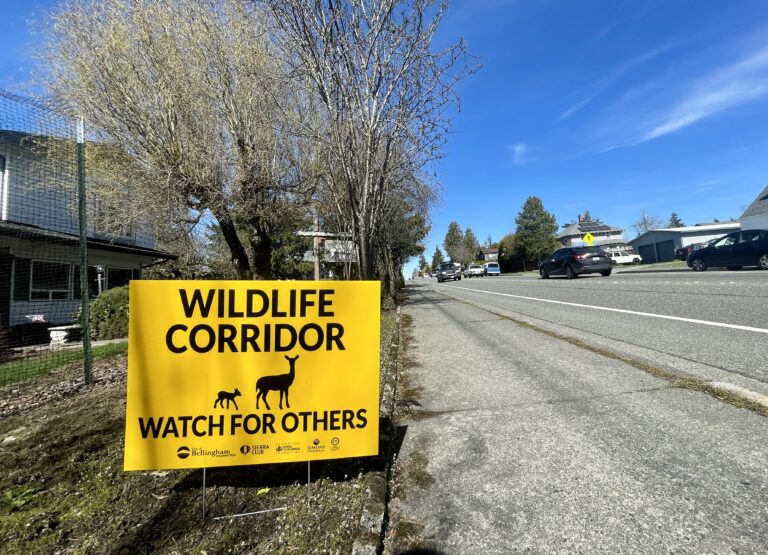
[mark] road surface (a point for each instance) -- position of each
(520, 441)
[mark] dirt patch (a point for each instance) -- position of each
(62, 487)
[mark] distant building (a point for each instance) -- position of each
(756, 214)
(489, 255)
(658, 245)
(605, 235)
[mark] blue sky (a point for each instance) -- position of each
(609, 106)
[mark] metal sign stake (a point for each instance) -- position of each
(236, 515)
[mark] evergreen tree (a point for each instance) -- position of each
(675, 221)
(437, 258)
(471, 247)
(422, 262)
(535, 234)
(454, 242)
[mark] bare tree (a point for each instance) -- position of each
(184, 94)
(647, 222)
(383, 92)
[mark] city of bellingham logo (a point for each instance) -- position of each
(182, 452)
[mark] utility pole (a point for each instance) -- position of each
(317, 248)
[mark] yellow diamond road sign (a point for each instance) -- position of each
(588, 238)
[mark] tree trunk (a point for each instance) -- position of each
(239, 256)
(261, 246)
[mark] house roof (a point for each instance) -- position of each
(580, 228)
(724, 227)
(759, 206)
(38, 234)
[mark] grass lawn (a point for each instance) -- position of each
(34, 366)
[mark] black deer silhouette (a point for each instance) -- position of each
(227, 396)
(280, 382)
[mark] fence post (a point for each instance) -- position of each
(84, 300)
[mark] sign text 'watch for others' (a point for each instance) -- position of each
(227, 373)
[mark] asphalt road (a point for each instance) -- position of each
(735, 351)
(520, 441)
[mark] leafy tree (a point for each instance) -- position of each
(422, 262)
(427, 269)
(536, 228)
(646, 223)
(471, 247)
(675, 221)
(489, 242)
(454, 242)
(189, 96)
(437, 258)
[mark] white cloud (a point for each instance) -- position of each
(519, 153)
(729, 86)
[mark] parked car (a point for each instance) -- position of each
(492, 269)
(448, 270)
(682, 254)
(623, 257)
(571, 262)
(474, 270)
(733, 251)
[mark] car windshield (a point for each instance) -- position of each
(444, 267)
(494, 265)
(474, 266)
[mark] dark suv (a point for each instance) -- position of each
(448, 270)
(740, 248)
(571, 262)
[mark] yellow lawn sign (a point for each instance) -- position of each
(224, 373)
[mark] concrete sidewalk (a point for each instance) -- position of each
(520, 442)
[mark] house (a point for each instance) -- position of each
(489, 254)
(756, 214)
(658, 245)
(605, 235)
(39, 237)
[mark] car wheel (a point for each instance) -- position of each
(605, 273)
(763, 261)
(734, 268)
(635, 261)
(569, 273)
(543, 273)
(698, 264)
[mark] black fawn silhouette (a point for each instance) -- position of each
(280, 382)
(227, 396)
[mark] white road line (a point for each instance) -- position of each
(623, 311)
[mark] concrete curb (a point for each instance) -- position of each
(742, 392)
(659, 271)
(371, 526)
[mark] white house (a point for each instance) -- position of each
(605, 235)
(39, 240)
(658, 245)
(756, 214)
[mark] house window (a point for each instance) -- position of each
(50, 281)
(117, 277)
(93, 282)
(21, 270)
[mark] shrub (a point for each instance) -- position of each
(109, 314)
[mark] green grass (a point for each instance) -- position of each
(35, 366)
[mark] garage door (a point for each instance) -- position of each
(665, 251)
(647, 253)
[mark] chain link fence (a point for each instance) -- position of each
(40, 291)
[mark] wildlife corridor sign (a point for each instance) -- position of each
(224, 373)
